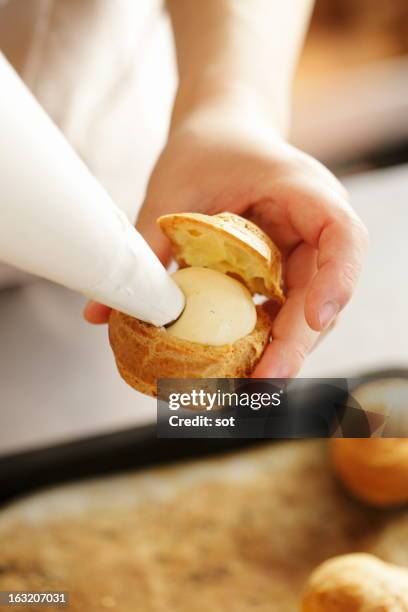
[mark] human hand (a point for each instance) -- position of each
(232, 159)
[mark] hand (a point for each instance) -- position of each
(218, 160)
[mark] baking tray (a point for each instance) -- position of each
(130, 449)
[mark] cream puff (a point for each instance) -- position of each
(224, 259)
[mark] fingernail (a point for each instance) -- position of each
(327, 314)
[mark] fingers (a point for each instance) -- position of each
(292, 338)
(325, 221)
(341, 248)
(96, 313)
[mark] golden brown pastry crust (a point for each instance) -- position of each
(262, 257)
(224, 242)
(356, 582)
(145, 353)
(375, 470)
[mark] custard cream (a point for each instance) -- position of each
(219, 309)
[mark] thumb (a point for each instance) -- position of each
(147, 225)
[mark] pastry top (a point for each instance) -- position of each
(356, 581)
(227, 243)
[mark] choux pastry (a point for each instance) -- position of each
(375, 470)
(223, 261)
(354, 582)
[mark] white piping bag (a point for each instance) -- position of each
(56, 221)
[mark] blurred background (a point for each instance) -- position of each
(96, 64)
(351, 91)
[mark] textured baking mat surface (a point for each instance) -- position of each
(237, 533)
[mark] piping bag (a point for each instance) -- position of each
(56, 220)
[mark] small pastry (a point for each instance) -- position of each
(224, 259)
